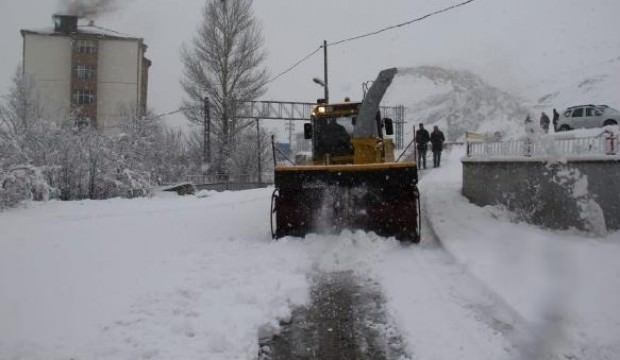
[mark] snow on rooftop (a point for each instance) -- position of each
(98, 30)
(90, 29)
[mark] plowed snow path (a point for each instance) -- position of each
(346, 320)
(409, 302)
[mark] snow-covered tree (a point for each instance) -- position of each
(146, 145)
(22, 131)
(246, 159)
(25, 144)
(224, 64)
(40, 159)
(170, 161)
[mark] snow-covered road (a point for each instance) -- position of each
(198, 277)
(189, 278)
(416, 293)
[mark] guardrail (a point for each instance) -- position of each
(219, 178)
(604, 144)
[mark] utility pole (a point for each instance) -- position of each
(258, 152)
(325, 71)
(290, 127)
(206, 136)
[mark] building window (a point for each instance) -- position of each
(86, 46)
(83, 97)
(85, 72)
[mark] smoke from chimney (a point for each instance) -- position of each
(88, 8)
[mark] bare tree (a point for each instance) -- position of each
(224, 64)
(20, 124)
(22, 107)
(250, 149)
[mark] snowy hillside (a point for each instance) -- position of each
(456, 100)
(597, 83)
(460, 101)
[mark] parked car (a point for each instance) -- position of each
(588, 116)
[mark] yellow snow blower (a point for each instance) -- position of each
(352, 181)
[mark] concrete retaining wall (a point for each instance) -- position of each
(583, 194)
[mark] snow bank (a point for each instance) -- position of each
(566, 284)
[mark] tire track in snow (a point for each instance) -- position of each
(345, 320)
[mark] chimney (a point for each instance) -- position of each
(66, 24)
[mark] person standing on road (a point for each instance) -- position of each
(556, 117)
(422, 138)
(437, 140)
(544, 122)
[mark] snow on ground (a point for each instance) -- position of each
(172, 277)
(565, 283)
(198, 277)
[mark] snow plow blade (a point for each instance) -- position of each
(382, 198)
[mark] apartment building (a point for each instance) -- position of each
(86, 74)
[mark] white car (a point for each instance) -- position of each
(588, 116)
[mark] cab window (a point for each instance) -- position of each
(333, 135)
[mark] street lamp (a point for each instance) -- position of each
(324, 85)
(324, 82)
(318, 81)
(365, 86)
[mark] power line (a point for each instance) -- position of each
(294, 65)
(402, 24)
(367, 35)
(305, 58)
(169, 113)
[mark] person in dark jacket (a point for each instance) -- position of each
(437, 140)
(556, 117)
(544, 122)
(334, 139)
(421, 139)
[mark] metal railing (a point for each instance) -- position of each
(219, 178)
(604, 144)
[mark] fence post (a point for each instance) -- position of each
(611, 143)
(528, 147)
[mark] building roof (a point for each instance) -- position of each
(88, 29)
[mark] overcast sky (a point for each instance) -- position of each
(511, 43)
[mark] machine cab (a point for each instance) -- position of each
(331, 130)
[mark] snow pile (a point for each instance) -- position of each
(354, 251)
